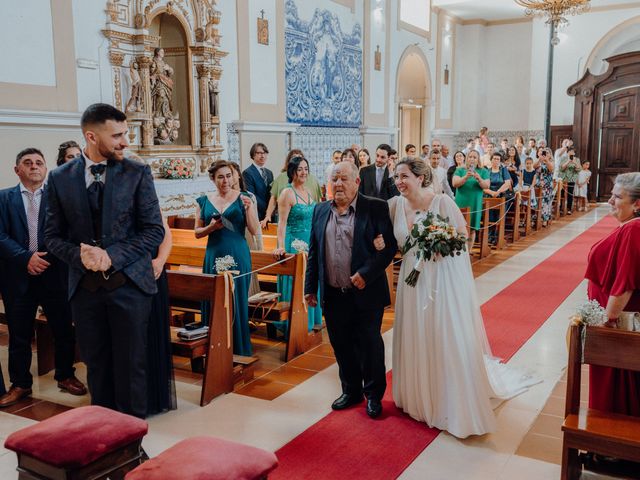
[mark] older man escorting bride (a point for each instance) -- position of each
(443, 372)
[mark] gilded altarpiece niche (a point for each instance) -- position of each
(166, 62)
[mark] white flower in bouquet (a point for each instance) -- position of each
(225, 263)
(300, 246)
(434, 237)
(590, 313)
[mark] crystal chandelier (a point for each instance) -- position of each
(555, 11)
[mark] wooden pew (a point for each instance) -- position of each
(466, 213)
(512, 219)
(220, 373)
(482, 237)
(185, 223)
(497, 204)
(537, 225)
(603, 433)
(525, 212)
(557, 200)
(300, 340)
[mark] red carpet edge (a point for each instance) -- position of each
(348, 444)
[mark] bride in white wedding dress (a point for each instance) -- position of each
(443, 371)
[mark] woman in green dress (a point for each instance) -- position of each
(295, 207)
(223, 216)
(282, 181)
(470, 181)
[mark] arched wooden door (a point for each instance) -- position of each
(606, 125)
(620, 136)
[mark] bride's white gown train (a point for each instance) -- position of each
(443, 371)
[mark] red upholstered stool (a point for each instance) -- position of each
(207, 458)
(86, 442)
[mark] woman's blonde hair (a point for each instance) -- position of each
(418, 167)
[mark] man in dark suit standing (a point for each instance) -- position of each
(103, 220)
(258, 178)
(353, 286)
(32, 277)
(375, 179)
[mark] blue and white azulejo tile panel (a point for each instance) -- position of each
(323, 70)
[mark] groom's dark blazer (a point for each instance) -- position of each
(372, 218)
(131, 222)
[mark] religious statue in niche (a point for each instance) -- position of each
(135, 99)
(377, 59)
(263, 29)
(213, 98)
(165, 122)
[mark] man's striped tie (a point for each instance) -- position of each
(32, 220)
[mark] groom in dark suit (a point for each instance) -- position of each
(103, 220)
(353, 286)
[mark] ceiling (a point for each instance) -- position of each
(492, 10)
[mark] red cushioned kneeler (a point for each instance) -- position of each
(86, 442)
(207, 458)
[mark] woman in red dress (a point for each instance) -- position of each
(613, 272)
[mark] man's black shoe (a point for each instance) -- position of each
(345, 401)
(374, 408)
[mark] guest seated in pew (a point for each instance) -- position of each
(545, 180)
(223, 216)
(254, 241)
(296, 210)
(613, 271)
(499, 186)
(470, 180)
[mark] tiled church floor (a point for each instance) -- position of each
(285, 399)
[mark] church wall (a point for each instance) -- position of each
(470, 83)
(502, 70)
(577, 42)
(36, 109)
(401, 40)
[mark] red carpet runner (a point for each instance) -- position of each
(349, 445)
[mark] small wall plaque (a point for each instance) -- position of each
(263, 29)
(377, 59)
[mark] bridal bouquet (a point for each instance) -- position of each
(300, 246)
(225, 263)
(434, 237)
(590, 313)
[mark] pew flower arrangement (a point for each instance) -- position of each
(300, 246)
(590, 313)
(224, 264)
(434, 238)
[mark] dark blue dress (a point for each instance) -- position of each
(230, 242)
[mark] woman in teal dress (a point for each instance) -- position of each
(470, 180)
(223, 216)
(295, 207)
